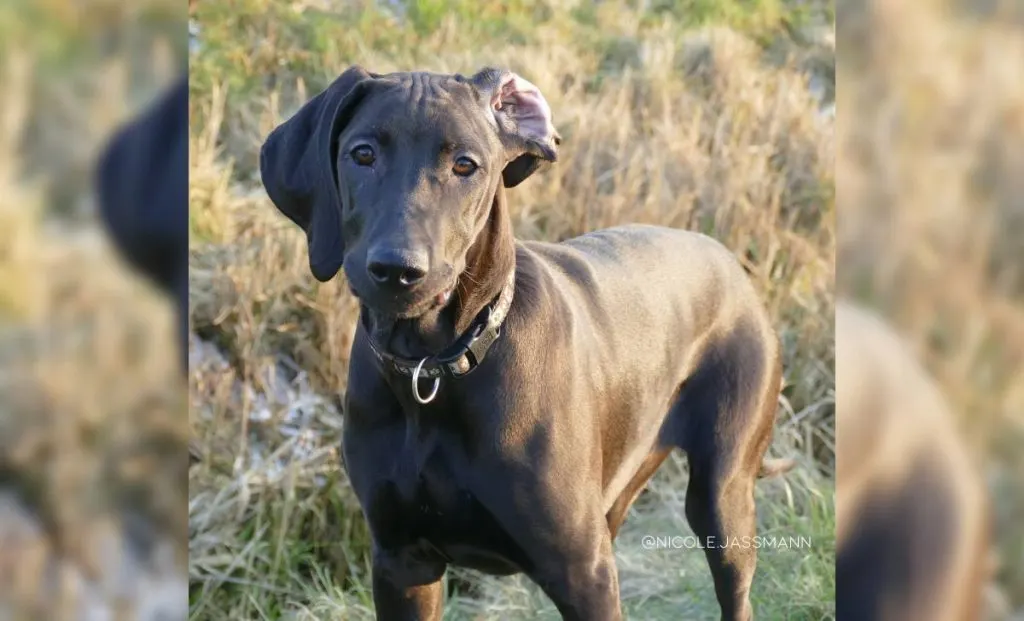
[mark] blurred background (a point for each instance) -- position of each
(716, 116)
(931, 230)
(93, 430)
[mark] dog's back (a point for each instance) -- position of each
(641, 274)
(911, 518)
(684, 287)
(650, 307)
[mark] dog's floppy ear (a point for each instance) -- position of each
(142, 189)
(298, 171)
(523, 115)
(141, 180)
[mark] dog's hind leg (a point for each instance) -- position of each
(720, 509)
(723, 419)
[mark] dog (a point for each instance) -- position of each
(508, 400)
(912, 526)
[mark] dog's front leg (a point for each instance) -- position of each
(400, 596)
(583, 582)
(417, 603)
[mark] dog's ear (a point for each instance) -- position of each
(141, 180)
(298, 170)
(142, 189)
(523, 115)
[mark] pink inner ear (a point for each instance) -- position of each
(528, 108)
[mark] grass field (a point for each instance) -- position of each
(703, 115)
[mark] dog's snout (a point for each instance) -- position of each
(396, 268)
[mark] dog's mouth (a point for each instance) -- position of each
(441, 299)
(409, 305)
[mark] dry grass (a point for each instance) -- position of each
(709, 126)
(92, 431)
(931, 219)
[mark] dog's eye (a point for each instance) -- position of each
(363, 155)
(464, 167)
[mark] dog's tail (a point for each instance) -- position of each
(775, 467)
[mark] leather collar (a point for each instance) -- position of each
(467, 352)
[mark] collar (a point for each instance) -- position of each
(467, 352)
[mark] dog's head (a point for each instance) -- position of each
(393, 176)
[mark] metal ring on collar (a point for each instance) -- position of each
(415, 385)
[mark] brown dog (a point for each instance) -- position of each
(507, 401)
(912, 532)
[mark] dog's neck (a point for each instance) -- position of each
(489, 261)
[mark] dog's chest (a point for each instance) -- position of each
(425, 506)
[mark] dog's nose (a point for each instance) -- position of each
(396, 267)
